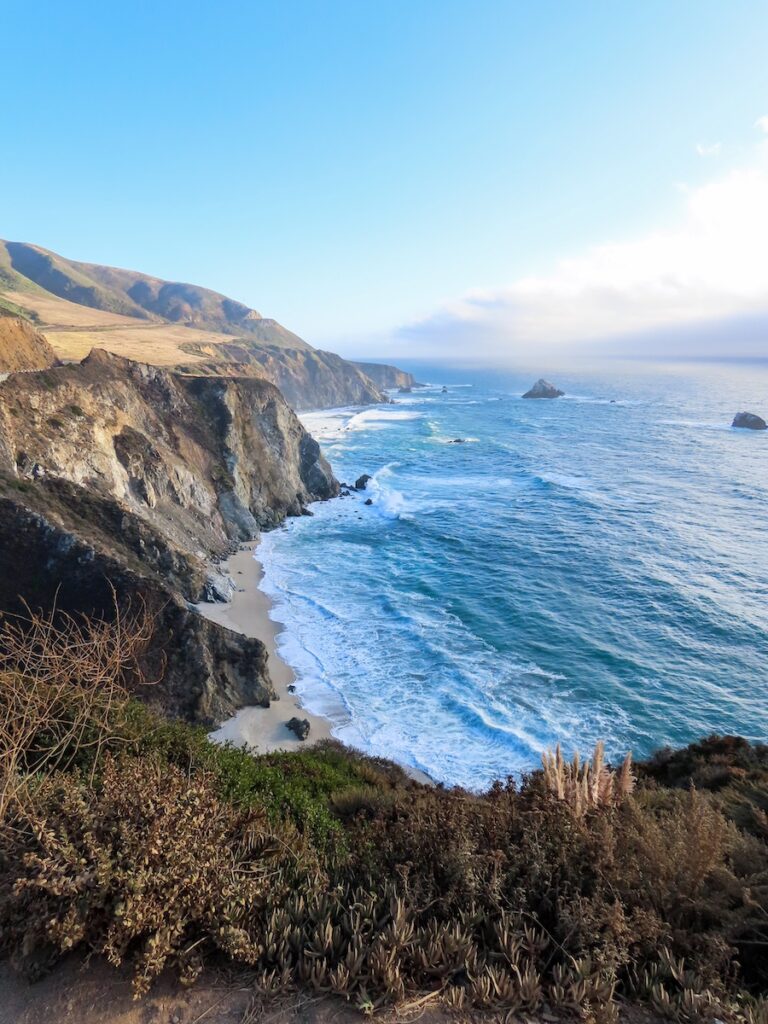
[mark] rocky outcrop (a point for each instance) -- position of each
(384, 376)
(749, 421)
(299, 726)
(22, 347)
(173, 324)
(308, 378)
(543, 389)
(362, 482)
(118, 474)
(62, 550)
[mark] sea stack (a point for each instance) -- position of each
(749, 421)
(543, 389)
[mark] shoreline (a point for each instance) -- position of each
(262, 729)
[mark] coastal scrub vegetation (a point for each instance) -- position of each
(574, 889)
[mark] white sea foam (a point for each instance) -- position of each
(378, 418)
(327, 424)
(575, 483)
(455, 625)
(592, 400)
(698, 424)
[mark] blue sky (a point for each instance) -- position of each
(384, 175)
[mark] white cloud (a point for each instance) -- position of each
(709, 148)
(762, 124)
(711, 265)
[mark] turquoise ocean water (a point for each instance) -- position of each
(590, 567)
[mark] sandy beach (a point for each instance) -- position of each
(263, 729)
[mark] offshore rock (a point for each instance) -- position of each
(543, 389)
(362, 482)
(749, 421)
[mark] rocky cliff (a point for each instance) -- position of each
(385, 376)
(116, 473)
(171, 323)
(22, 347)
(309, 378)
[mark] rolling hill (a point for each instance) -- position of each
(79, 306)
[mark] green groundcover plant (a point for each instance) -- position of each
(571, 889)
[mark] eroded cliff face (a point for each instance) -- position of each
(22, 347)
(115, 473)
(385, 376)
(309, 378)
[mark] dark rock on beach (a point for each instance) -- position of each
(362, 482)
(749, 421)
(300, 726)
(543, 389)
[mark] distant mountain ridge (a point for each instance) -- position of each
(133, 294)
(78, 306)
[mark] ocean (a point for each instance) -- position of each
(593, 567)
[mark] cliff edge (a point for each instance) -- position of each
(118, 474)
(22, 347)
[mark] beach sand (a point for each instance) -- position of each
(262, 729)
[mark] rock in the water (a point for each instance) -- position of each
(300, 726)
(543, 389)
(362, 482)
(458, 440)
(444, 390)
(368, 501)
(291, 688)
(749, 421)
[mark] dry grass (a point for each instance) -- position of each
(571, 892)
(61, 680)
(588, 785)
(73, 330)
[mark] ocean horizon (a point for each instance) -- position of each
(592, 567)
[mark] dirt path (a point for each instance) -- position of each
(79, 993)
(97, 994)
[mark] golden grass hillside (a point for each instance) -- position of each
(79, 306)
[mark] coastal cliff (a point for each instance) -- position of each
(385, 376)
(308, 378)
(78, 306)
(22, 347)
(118, 474)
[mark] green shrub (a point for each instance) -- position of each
(296, 785)
(332, 872)
(150, 861)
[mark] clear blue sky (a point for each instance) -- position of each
(349, 166)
